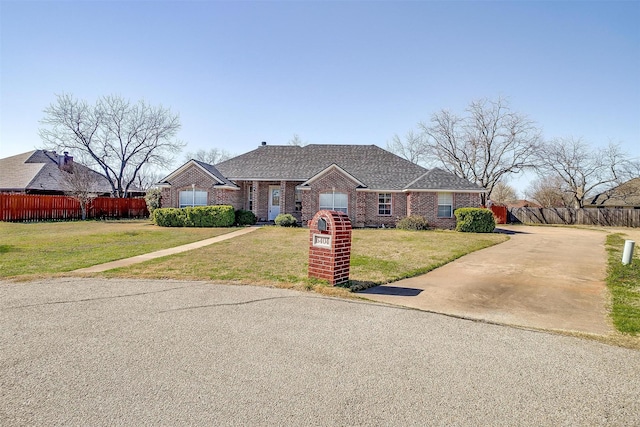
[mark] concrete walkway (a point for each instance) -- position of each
(543, 277)
(164, 252)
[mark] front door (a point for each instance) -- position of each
(274, 201)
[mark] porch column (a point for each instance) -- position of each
(255, 198)
(283, 196)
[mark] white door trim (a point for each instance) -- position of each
(274, 209)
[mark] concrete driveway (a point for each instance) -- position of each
(96, 352)
(543, 277)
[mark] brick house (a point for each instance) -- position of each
(372, 186)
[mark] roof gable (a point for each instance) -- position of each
(17, 172)
(332, 167)
(208, 169)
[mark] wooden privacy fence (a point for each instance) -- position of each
(611, 217)
(500, 214)
(27, 207)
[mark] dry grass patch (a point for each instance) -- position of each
(277, 256)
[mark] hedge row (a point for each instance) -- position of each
(198, 216)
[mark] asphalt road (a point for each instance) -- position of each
(79, 352)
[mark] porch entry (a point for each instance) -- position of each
(274, 201)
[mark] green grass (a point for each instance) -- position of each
(56, 247)
(624, 284)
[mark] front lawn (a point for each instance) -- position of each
(272, 256)
(279, 257)
(54, 247)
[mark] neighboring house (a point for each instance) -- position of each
(41, 172)
(373, 186)
(625, 195)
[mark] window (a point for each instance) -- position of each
(334, 201)
(384, 204)
(298, 200)
(250, 198)
(445, 205)
(193, 198)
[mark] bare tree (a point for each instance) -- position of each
(147, 177)
(211, 156)
(83, 184)
(581, 169)
(503, 193)
(297, 141)
(548, 193)
(413, 148)
(484, 146)
(114, 136)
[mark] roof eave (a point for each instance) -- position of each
(445, 190)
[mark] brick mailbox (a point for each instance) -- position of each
(330, 246)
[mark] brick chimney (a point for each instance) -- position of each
(65, 162)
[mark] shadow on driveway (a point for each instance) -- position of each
(392, 290)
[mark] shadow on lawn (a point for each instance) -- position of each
(7, 248)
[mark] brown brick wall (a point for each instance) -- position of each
(332, 180)
(426, 204)
(289, 201)
(368, 209)
(194, 175)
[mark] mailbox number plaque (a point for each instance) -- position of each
(322, 241)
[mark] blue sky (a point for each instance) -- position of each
(332, 72)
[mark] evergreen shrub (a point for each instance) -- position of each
(245, 217)
(475, 220)
(413, 222)
(286, 220)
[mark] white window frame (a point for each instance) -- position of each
(330, 203)
(192, 198)
(445, 201)
(386, 204)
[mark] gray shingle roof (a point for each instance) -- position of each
(17, 172)
(438, 179)
(215, 172)
(626, 194)
(374, 167)
(38, 170)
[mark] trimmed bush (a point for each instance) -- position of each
(286, 220)
(167, 217)
(413, 222)
(199, 216)
(245, 217)
(475, 220)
